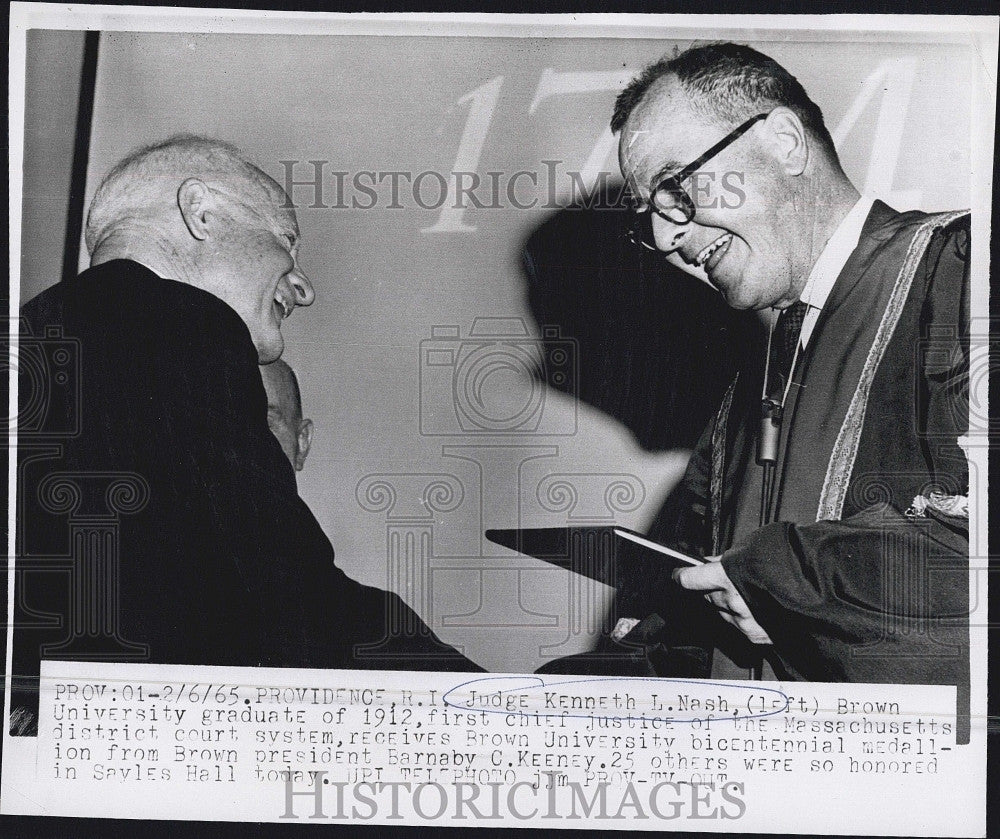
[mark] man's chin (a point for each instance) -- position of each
(270, 351)
(738, 295)
(732, 293)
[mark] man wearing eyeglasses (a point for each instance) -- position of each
(830, 491)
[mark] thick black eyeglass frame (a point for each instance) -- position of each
(672, 184)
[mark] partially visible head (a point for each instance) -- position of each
(196, 210)
(763, 202)
(284, 412)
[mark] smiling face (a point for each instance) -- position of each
(745, 233)
(254, 262)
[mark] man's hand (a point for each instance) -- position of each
(711, 578)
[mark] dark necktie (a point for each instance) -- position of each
(784, 342)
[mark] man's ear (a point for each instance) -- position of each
(196, 203)
(790, 140)
(305, 437)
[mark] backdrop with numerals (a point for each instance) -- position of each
(455, 384)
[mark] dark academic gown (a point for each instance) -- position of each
(158, 518)
(847, 584)
(850, 582)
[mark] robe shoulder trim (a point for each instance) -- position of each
(845, 449)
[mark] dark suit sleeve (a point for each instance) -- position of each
(224, 563)
(309, 612)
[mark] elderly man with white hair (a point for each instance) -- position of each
(194, 268)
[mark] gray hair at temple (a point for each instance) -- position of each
(142, 188)
(728, 83)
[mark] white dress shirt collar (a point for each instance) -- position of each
(831, 262)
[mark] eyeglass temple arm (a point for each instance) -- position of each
(693, 167)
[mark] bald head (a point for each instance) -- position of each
(142, 189)
(284, 412)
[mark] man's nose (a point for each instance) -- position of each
(302, 286)
(667, 234)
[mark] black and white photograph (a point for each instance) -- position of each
(539, 421)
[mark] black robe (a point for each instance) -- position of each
(850, 583)
(158, 518)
